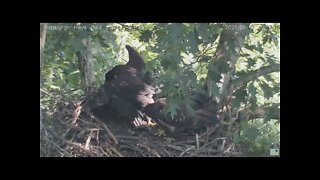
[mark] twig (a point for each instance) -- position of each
(197, 140)
(188, 149)
(71, 143)
(150, 150)
(186, 142)
(76, 114)
(89, 139)
(201, 149)
(175, 147)
(129, 137)
(105, 127)
(165, 150)
(79, 146)
(46, 93)
(104, 152)
(255, 74)
(223, 144)
(209, 132)
(57, 146)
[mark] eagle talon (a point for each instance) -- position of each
(151, 122)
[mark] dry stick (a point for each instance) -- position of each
(202, 149)
(104, 152)
(210, 131)
(188, 149)
(65, 134)
(76, 114)
(213, 141)
(110, 133)
(175, 147)
(71, 143)
(171, 128)
(58, 147)
(107, 148)
(228, 149)
(129, 137)
(214, 151)
(150, 150)
(207, 136)
(97, 137)
(163, 145)
(197, 140)
(223, 144)
(79, 146)
(134, 148)
(47, 93)
(105, 127)
(185, 142)
(89, 139)
(115, 151)
(165, 150)
(88, 123)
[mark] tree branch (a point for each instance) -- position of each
(260, 112)
(255, 74)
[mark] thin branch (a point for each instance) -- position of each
(153, 152)
(47, 93)
(255, 74)
(188, 149)
(105, 127)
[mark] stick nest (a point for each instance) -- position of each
(69, 131)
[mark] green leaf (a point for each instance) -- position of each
(251, 63)
(259, 48)
(250, 47)
(245, 55)
(241, 74)
(264, 39)
(271, 59)
(240, 96)
(189, 103)
(270, 112)
(252, 92)
(268, 77)
(146, 36)
(172, 106)
(267, 90)
(205, 58)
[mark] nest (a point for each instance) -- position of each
(77, 133)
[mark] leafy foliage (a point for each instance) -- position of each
(257, 136)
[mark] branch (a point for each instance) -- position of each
(259, 112)
(255, 74)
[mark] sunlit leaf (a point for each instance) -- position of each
(54, 87)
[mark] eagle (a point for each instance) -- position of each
(129, 88)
